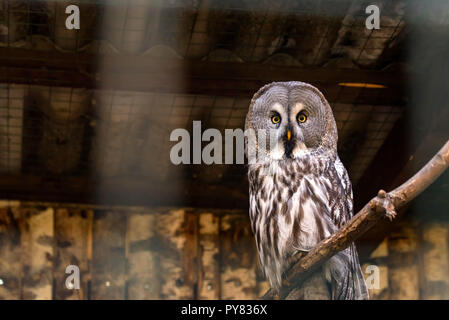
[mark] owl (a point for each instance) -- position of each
(299, 190)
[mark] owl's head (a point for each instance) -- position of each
(289, 120)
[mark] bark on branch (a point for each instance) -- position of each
(383, 205)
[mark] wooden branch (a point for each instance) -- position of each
(381, 206)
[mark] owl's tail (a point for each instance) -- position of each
(346, 276)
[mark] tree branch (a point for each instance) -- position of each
(381, 206)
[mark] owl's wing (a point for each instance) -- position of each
(342, 207)
(348, 280)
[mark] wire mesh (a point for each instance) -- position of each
(61, 131)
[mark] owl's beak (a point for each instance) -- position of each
(288, 143)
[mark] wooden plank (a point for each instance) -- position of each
(195, 86)
(37, 240)
(121, 191)
(108, 255)
(72, 227)
(262, 283)
(175, 234)
(58, 60)
(403, 268)
(10, 252)
(148, 74)
(378, 288)
(435, 260)
(143, 279)
(238, 258)
(209, 267)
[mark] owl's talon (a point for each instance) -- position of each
(383, 204)
(391, 214)
(390, 211)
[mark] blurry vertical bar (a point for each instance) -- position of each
(209, 268)
(143, 278)
(108, 255)
(238, 257)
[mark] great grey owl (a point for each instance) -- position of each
(299, 191)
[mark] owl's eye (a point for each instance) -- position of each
(276, 119)
(301, 117)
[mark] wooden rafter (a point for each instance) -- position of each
(144, 73)
(120, 191)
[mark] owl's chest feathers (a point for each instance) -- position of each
(290, 204)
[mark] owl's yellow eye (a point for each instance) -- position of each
(275, 119)
(302, 117)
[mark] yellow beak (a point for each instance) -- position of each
(289, 135)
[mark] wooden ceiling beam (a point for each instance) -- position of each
(129, 191)
(147, 74)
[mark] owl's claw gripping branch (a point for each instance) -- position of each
(384, 203)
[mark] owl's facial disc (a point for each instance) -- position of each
(295, 118)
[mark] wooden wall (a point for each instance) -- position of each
(413, 262)
(126, 253)
(167, 253)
